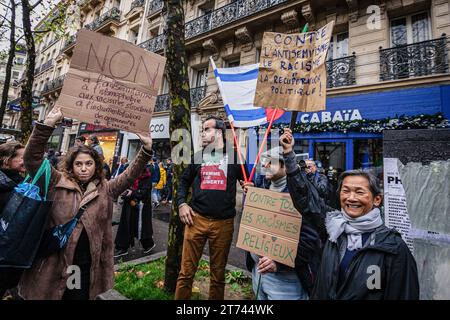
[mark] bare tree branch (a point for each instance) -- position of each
(5, 19)
(36, 4)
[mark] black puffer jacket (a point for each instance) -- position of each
(384, 253)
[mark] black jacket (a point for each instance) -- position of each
(384, 249)
(320, 182)
(212, 203)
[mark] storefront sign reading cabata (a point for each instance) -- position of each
(333, 116)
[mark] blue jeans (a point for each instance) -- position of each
(278, 286)
(155, 197)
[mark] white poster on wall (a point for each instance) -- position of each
(395, 210)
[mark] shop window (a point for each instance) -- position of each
(133, 148)
(331, 155)
(301, 149)
(53, 142)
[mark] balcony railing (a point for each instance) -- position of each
(163, 100)
(341, 72)
(162, 103)
(227, 14)
(136, 4)
(414, 60)
(53, 85)
(47, 65)
(50, 44)
(197, 94)
(154, 44)
(154, 6)
(113, 14)
(69, 42)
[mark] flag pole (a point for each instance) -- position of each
(291, 126)
(262, 145)
(244, 174)
(238, 152)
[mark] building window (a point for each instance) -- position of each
(410, 29)
(206, 8)
(15, 75)
(165, 86)
(134, 35)
(19, 60)
(153, 33)
(199, 77)
(338, 46)
(232, 63)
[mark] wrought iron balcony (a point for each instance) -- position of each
(136, 4)
(50, 44)
(163, 100)
(53, 85)
(155, 6)
(162, 103)
(197, 94)
(47, 65)
(414, 60)
(154, 44)
(341, 72)
(232, 12)
(113, 14)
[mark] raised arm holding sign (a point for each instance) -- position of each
(111, 83)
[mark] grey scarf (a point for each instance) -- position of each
(278, 185)
(338, 222)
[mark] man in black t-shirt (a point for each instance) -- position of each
(210, 213)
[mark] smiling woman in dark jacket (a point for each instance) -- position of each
(362, 259)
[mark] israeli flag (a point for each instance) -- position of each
(237, 86)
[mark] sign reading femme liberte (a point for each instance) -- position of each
(292, 71)
(270, 225)
(111, 83)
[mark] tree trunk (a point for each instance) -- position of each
(180, 118)
(9, 63)
(26, 95)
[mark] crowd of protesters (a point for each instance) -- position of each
(338, 243)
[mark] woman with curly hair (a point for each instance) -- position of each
(90, 248)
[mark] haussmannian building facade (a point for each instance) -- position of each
(387, 59)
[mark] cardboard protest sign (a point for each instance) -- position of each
(270, 226)
(292, 71)
(111, 83)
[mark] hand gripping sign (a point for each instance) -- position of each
(111, 83)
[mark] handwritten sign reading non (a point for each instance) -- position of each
(111, 83)
(292, 70)
(270, 226)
